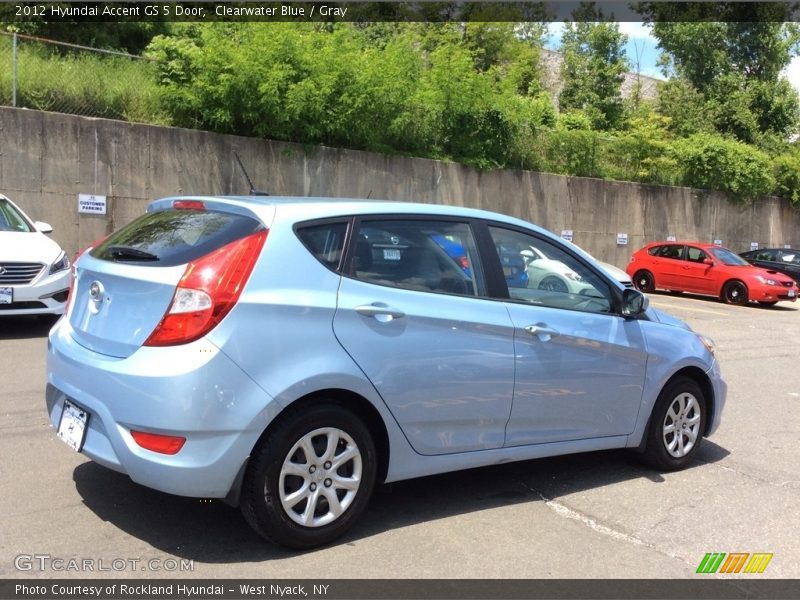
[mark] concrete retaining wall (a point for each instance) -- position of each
(47, 159)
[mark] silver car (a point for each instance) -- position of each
(286, 354)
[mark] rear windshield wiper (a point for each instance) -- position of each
(123, 253)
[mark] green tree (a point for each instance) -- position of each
(593, 71)
(736, 66)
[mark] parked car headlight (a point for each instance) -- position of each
(708, 343)
(766, 280)
(572, 275)
(61, 264)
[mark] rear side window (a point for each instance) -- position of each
(669, 251)
(426, 256)
(174, 237)
(325, 242)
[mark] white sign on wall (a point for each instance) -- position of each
(718, 242)
(566, 234)
(753, 245)
(91, 204)
(671, 238)
(622, 239)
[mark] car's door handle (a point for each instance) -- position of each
(542, 331)
(379, 309)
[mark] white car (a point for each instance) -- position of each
(551, 275)
(34, 270)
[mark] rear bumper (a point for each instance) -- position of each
(193, 391)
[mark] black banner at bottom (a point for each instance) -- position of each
(400, 589)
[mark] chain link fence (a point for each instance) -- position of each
(54, 76)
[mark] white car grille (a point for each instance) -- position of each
(19, 273)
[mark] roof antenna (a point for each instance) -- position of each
(253, 190)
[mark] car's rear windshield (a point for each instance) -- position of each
(174, 237)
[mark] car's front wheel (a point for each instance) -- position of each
(734, 292)
(676, 425)
(310, 477)
(553, 284)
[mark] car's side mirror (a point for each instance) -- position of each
(709, 262)
(634, 303)
(43, 227)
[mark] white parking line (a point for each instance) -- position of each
(671, 306)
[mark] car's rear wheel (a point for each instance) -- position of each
(553, 284)
(734, 292)
(310, 477)
(676, 425)
(644, 281)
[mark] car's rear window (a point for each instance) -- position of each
(174, 237)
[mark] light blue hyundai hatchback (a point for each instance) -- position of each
(287, 353)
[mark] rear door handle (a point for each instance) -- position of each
(542, 331)
(379, 310)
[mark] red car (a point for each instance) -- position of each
(707, 269)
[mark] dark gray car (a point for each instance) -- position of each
(783, 260)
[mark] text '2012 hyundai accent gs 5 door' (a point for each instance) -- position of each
(285, 354)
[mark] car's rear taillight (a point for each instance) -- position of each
(208, 290)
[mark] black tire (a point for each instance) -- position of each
(683, 398)
(734, 292)
(553, 284)
(261, 502)
(644, 281)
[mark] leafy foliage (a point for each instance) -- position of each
(712, 162)
(786, 170)
(736, 67)
(466, 91)
(594, 66)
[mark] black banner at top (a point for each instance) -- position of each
(391, 11)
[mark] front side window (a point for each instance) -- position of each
(791, 257)
(421, 255)
(695, 254)
(551, 276)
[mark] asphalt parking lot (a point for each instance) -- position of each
(600, 515)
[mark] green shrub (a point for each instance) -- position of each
(712, 162)
(786, 170)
